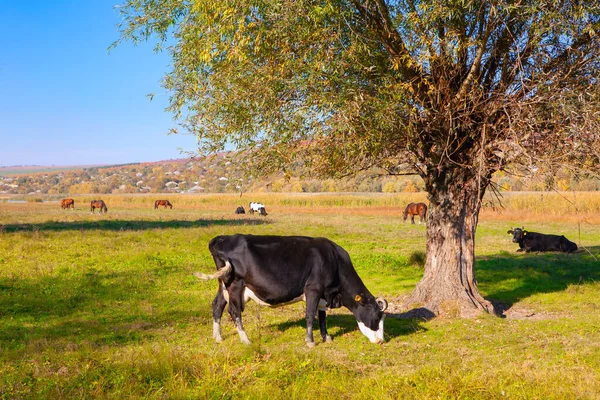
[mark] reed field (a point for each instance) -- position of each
(105, 306)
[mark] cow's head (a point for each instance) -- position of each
(518, 234)
(567, 245)
(368, 311)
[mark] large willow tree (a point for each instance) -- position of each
(451, 90)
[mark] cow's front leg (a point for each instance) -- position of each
(312, 303)
(323, 326)
(236, 306)
(218, 306)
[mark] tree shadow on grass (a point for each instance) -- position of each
(344, 324)
(507, 278)
(121, 225)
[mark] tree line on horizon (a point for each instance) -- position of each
(223, 175)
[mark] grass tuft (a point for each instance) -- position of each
(417, 259)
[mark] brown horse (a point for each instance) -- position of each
(413, 209)
(164, 203)
(98, 204)
(67, 203)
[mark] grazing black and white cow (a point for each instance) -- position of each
(240, 210)
(533, 241)
(257, 207)
(279, 270)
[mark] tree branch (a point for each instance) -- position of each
(476, 65)
(377, 16)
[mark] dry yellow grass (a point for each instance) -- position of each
(571, 207)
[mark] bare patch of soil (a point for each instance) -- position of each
(518, 312)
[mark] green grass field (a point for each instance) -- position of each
(105, 306)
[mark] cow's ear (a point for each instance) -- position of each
(510, 232)
(524, 232)
(358, 298)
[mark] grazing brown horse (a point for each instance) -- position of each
(67, 203)
(413, 209)
(164, 203)
(98, 204)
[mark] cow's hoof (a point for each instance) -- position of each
(327, 339)
(310, 345)
(218, 339)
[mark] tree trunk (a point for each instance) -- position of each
(448, 286)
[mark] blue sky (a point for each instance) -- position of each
(65, 100)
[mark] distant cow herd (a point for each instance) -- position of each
(252, 208)
(527, 241)
(101, 205)
(320, 273)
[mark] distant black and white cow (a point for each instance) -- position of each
(257, 207)
(533, 241)
(240, 210)
(279, 270)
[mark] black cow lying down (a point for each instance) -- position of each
(533, 241)
(279, 270)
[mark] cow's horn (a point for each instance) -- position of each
(383, 305)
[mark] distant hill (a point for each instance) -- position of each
(219, 174)
(32, 169)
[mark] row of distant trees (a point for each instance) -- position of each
(221, 177)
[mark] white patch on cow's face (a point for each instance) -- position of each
(373, 336)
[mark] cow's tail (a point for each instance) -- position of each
(219, 274)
